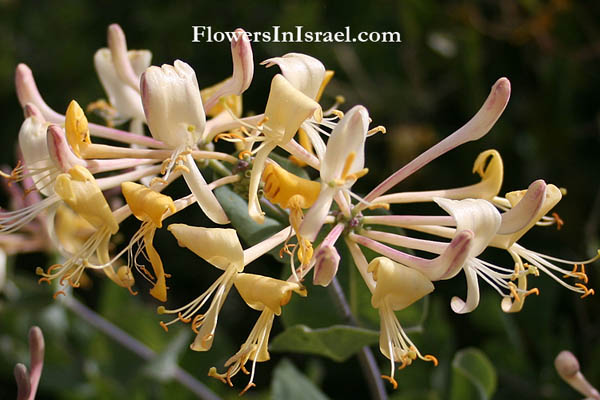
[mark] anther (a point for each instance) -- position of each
(433, 359)
(391, 380)
(379, 128)
(338, 113)
(164, 326)
(248, 386)
(513, 291)
(183, 319)
(559, 221)
(55, 295)
(244, 153)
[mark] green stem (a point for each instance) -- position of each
(135, 346)
(365, 355)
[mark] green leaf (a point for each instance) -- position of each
(237, 211)
(290, 384)
(338, 342)
(473, 377)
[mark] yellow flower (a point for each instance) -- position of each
(79, 190)
(150, 207)
(397, 287)
(221, 248)
(262, 294)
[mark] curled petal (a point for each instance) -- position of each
(261, 292)
(524, 213)
(551, 196)
(218, 246)
(23, 384)
(171, 98)
(304, 72)
(460, 306)
(397, 285)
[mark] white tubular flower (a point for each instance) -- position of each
(121, 96)
(484, 220)
(342, 166)
(222, 249)
(175, 116)
(304, 72)
(172, 104)
(397, 288)
(286, 109)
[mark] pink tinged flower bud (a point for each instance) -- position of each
(36, 355)
(243, 62)
(27, 92)
(567, 366)
(118, 48)
(172, 104)
(23, 385)
(326, 265)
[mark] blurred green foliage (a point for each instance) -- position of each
(421, 90)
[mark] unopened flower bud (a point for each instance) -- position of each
(326, 265)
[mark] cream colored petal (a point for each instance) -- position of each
(304, 72)
(458, 305)
(347, 137)
(205, 197)
(286, 109)
(258, 166)
(314, 219)
(476, 215)
(34, 148)
(261, 292)
(220, 247)
(171, 98)
(397, 284)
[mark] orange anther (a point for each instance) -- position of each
(183, 319)
(391, 380)
(248, 386)
(433, 359)
(133, 293)
(559, 221)
(243, 154)
(164, 326)
(44, 279)
(55, 295)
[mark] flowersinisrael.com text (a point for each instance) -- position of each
(202, 33)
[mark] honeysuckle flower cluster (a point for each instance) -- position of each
(70, 182)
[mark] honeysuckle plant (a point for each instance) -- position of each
(80, 192)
